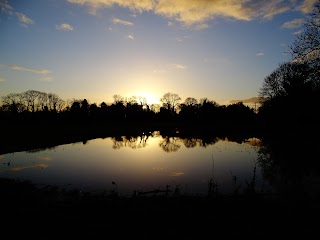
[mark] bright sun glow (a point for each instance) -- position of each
(151, 99)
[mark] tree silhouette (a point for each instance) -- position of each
(54, 102)
(30, 97)
(189, 109)
(288, 97)
(12, 102)
(306, 47)
(170, 101)
(289, 78)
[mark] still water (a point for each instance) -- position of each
(142, 163)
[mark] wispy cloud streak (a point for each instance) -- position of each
(7, 8)
(44, 72)
(247, 100)
(64, 27)
(179, 66)
(21, 68)
(122, 22)
(295, 23)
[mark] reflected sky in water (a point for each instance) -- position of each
(138, 163)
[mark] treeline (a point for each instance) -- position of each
(35, 106)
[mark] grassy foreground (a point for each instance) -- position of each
(53, 213)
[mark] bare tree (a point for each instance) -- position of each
(43, 100)
(190, 101)
(141, 100)
(290, 78)
(306, 47)
(170, 101)
(54, 102)
(30, 98)
(13, 102)
(118, 99)
(154, 107)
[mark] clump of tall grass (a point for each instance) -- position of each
(212, 184)
(213, 190)
(250, 188)
(236, 187)
(251, 184)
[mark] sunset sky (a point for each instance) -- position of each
(216, 49)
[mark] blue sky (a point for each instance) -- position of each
(216, 49)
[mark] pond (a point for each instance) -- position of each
(141, 163)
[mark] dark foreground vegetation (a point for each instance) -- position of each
(51, 213)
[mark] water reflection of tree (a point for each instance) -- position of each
(207, 141)
(191, 142)
(169, 144)
(133, 142)
(291, 166)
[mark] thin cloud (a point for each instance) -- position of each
(201, 26)
(24, 19)
(194, 13)
(179, 66)
(7, 8)
(293, 24)
(247, 100)
(46, 79)
(130, 37)
(298, 32)
(122, 22)
(307, 6)
(310, 55)
(33, 70)
(273, 8)
(64, 27)
(133, 5)
(21, 68)
(260, 54)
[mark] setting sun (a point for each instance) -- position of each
(143, 94)
(151, 99)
